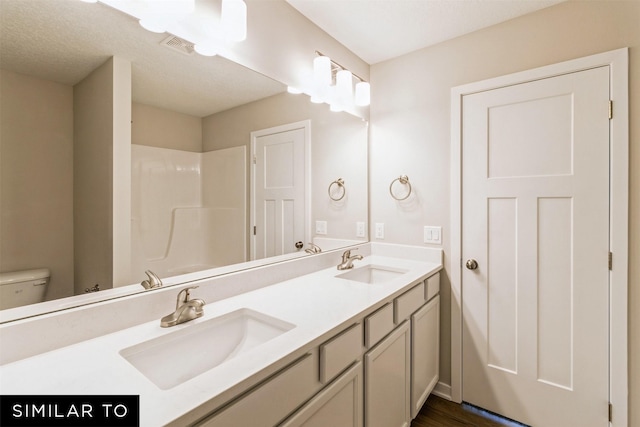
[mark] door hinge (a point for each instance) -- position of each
(610, 412)
(255, 230)
(255, 160)
(610, 260)
(610, 109)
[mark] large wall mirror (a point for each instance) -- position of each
(208, 141)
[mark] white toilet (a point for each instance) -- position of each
(23, 287)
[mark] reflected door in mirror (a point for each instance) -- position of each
(279, 196)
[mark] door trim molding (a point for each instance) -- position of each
(303, 124)
(618, 62)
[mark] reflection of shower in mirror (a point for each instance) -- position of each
(178, 223)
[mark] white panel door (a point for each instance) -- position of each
(279, 197)
(536, 222)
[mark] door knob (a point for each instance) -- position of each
(299, 245)
(472, 264)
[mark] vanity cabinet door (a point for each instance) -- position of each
(272, 401)
(425, 353)
(339, 404)
(387, 380)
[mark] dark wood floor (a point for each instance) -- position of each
(439, 412)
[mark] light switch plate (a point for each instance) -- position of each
(433, 235)
(321, 227)
(360, 229)
(379, 230)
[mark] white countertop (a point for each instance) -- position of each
(318, 304)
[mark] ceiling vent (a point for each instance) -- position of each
(178, 44)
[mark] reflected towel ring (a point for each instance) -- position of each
(403, 179)
(340, 183)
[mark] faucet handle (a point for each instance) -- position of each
(152, 282)
(186, 296)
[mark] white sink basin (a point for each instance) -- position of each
(192, 349)
(372, 274)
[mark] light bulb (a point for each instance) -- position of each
(321, 76)
(344, 87)
(233, 20)
(363, 94)
(207, 48)
(159, 15)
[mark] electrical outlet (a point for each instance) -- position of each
(321, 227)
(379, 230)
(360, 229)
(433, 235)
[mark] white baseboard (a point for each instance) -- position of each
(442, 390)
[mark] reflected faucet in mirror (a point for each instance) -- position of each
(186, 310)
(152, 282)
(313, 249)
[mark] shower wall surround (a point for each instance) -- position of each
(183, 205)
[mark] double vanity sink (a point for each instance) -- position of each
(184, 372)
(223, 338)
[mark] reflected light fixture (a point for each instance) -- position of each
(233, 19)
(159, 15)
(191, 20)
(332, 83)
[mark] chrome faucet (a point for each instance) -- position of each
(347, 259)
(313, 249)
(152, 282)
(186, 309)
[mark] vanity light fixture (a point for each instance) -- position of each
(332, 83)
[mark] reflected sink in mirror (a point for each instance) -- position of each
(179, 356)
(372, 274)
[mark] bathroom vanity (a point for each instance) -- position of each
(329, 347)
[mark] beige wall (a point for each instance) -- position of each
(157, 127)
(410, 118)
(338, 149)
(102, 114)
(36, 149)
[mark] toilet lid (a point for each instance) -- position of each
(23, 276)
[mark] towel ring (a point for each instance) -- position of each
(340, 183)
(404, 180)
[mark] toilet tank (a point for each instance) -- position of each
(25, 287)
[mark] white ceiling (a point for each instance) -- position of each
(64, 40)
(377, 30)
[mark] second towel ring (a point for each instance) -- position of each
(340, 183)
(404, 180)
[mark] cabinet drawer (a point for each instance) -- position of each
(273, 400)
(339, 352)
(378, 325)
(408, 302)
(433, 286)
